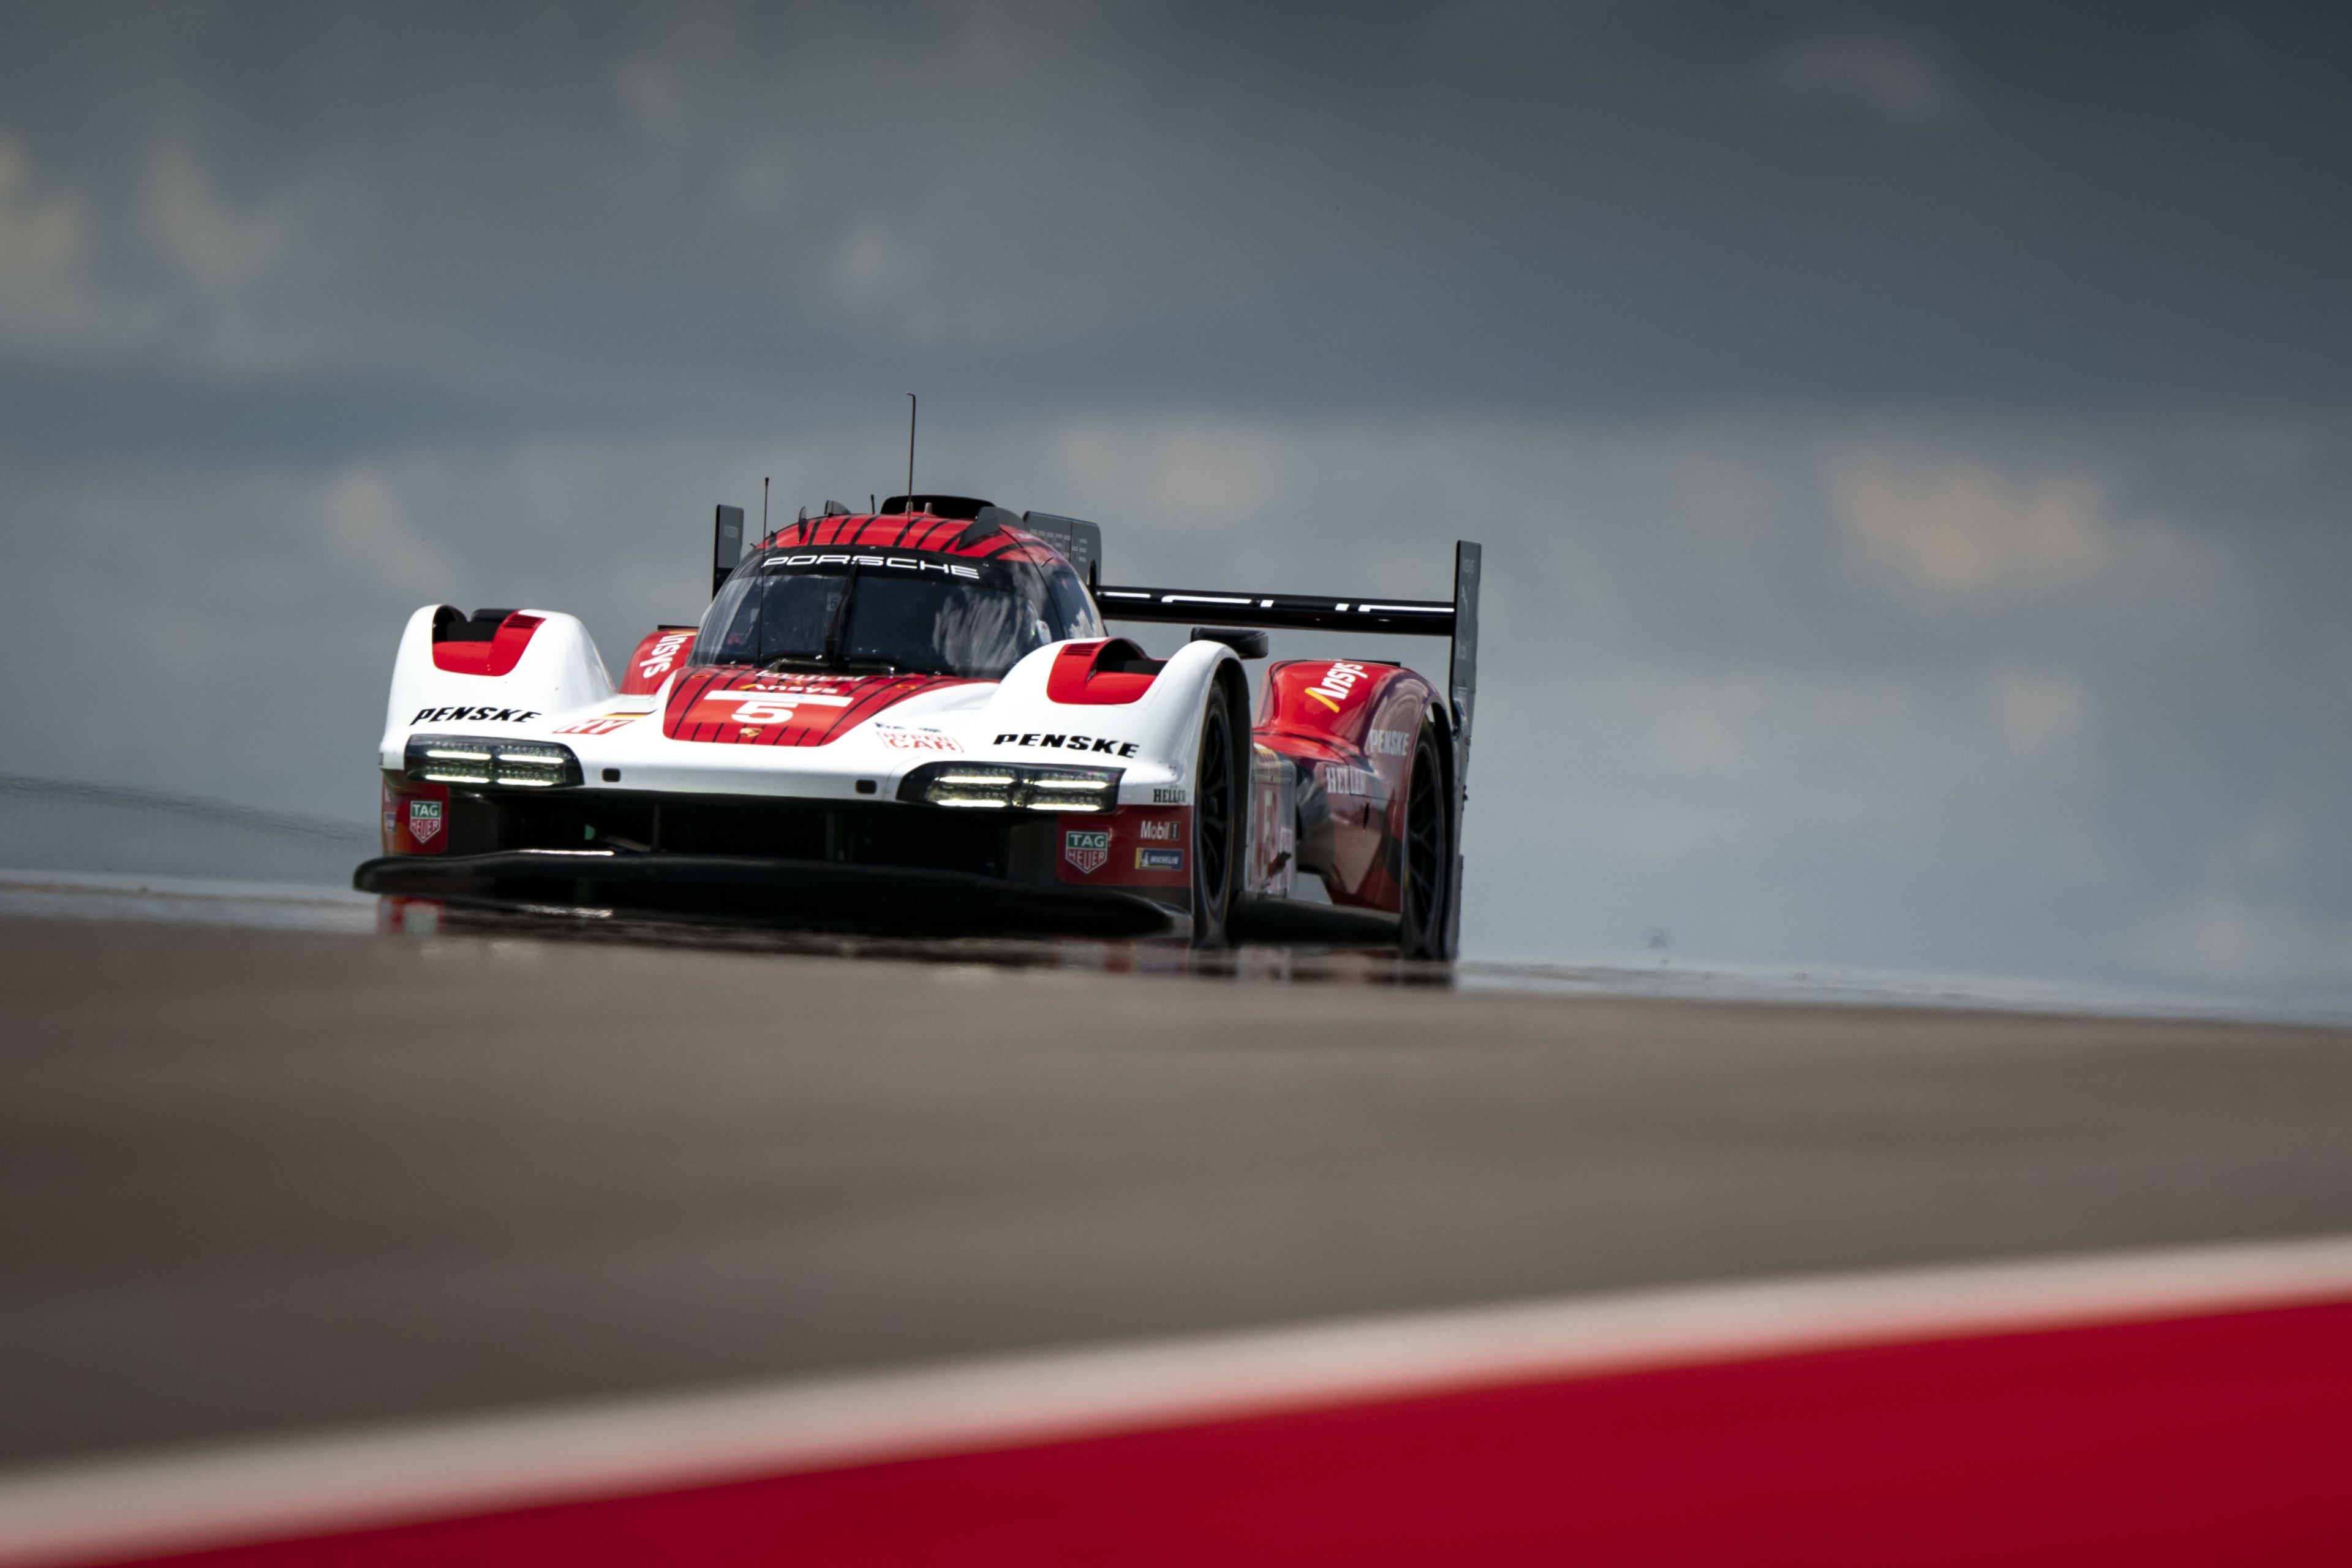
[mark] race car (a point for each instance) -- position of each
(914, 720)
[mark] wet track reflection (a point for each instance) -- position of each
(1372, 966)
(285, 1155)
(58, 895)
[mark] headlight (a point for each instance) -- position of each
(990, 785)
(967, 785)
(1072, 789)
(468, 760)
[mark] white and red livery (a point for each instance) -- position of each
(916, 719)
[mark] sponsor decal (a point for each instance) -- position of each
(424, 820)
(662, 654)
(908, 740)
(1389, 743)
(1159, 860)
(473, 715)
(884, 562)
(1088, 851)
(760, 706)
(602, 725)
(1068, 742)
(1163, 830)
(1338, 684)
(1340, 779)
(1167, 795)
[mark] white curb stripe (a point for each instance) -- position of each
(348, 1480)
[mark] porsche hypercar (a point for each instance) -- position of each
(914, 720)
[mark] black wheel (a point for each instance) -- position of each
(1428, 853)
(1216, 799)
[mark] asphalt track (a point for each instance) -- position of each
(264, 1181)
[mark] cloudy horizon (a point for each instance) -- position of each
(1909, 441)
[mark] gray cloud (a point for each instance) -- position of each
(1902, 80)
(1599, 209)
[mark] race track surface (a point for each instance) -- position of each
(259, 1181)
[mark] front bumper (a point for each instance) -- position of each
(806, 894)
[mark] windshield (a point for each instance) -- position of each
(912, 611)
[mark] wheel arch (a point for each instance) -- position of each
(1216, 900)
(1449, 772)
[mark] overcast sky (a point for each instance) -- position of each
(1909, 442)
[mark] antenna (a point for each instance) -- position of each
(763, 508)
(911, 451)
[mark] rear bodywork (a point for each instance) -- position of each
(1055, 797)
(1333, 752)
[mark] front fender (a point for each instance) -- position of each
(1163, 724)
(559, 670)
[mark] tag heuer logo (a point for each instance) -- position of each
(424, 819)
(1089, 852)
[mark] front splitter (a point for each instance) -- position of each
(807, 894)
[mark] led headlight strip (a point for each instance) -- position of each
(1001, 787)
(471, 760)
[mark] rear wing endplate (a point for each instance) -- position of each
(1079, 542)
(726, 548)
(1457, 622)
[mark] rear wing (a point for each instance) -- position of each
(1456, 621)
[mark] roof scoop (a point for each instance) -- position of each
(960, 508)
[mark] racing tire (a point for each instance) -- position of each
(1216, 822)
(1425, 921)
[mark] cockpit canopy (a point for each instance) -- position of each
(906, 611)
